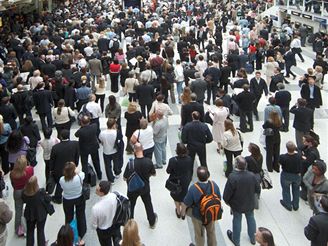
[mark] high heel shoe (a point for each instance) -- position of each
(178, 215)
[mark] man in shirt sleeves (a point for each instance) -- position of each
(102, 216)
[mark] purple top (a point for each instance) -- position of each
(12, 157)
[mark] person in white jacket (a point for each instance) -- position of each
(179, 77)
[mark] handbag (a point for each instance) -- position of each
(173, 185)
(266, 181)
(46, 203)
(51, 184)
(85, 189)
(135, 182)
(207, 118)
(268, 132)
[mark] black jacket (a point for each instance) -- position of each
(32, 132)
(303, 118)
(258, 88)
(245, 101)
(35, 209)
(317, 230)
(88, 139)
(43, 101)
(290, 59)
(196, 134)
(317, 99)
(18, 100)
(145, 94)
(283, 98)
(9, 115)
(199, 87)
(275, 79)
(240, 190)
(61, 153)
(215, 73)
(225, 75)
(187, 110)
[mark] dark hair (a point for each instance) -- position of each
(104, 186)
(112, 102)
(85, 120)
(272, 100)
(64, 134)
(310, 139)
(28, 120)
(65, 236)
(61, 104)
(15, 141)
(110, 123)
(324, 202)
(202, 173)
(219, 102)
(267, 236)
(195, 115)
(255, 151)
(301, 102)
(181, 150)
(47, 132)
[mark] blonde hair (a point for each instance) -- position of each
(19, 169)
(132, 107)
(270, 59)
(101, 83)
(318, 69)
(131, 234)
(32, 186)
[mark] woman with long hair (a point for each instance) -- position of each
(17, 145)
(62, 115)
(35, 211)
(100, 92)
(180, 168)
(73, 199)
(5, 131)
(186, 96)
(264, 237)
(65, 236)
(132, 116)
(272, 140)
(232, 144)
(113, 110)
(131, 234)
(19, 176)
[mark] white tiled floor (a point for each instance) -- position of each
(287, 227)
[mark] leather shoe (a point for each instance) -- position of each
(178, 215)
(285, 206)
(229, 234)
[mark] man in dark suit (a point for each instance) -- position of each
(145, 97)
(89, 145)
(199, 86)
(189, 73)
(65, 151)
(290, 61)
(225, 75)
(187, 110)
(196, 135)
(277, 78)
(257, 87)
(8, 112)
(283, 98)
(317, 229)
(43, 103)
(20, 103)
(302, 120)
(48, 68)
(212, 76)
(245, 102)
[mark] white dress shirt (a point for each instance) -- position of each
(103, 212)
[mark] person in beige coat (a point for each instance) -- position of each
(269, 69)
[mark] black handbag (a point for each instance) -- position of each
(173, 185)
(85, 189)
(207, 118)
(45, 200)
(51, 184)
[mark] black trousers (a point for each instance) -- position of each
(146, 199)
(109, 237)
(114, 82)
(40, 233)
(201, 152)
(143, 109)
(255, 104)
(211, 91)
(148, 153)
(79, 205)
(102, 101)
(95, 161)
(243, 122)
(285, 116)
(229, 155)
(47, 169)
(272, 153)
(61, 127)
(288, 71)
(43, 117)
(4, 158)
(59, 190)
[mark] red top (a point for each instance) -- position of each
(114, 68)
(251, 49)
(19, 184)
(192, 53)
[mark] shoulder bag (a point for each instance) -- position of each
(173, 184)
(45, 200)
(135, 182)
(85, 189)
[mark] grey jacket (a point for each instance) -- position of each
(5, 215)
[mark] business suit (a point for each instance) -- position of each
(302, 123)
(199, 87)
(61, 153)
(145, 96)
(245, 102)
(43, 103)
(276, 79)
(187, 110)
(317, 229)
(283, 98)
(196, 135)
(290, 61)
(18, 100)
(9, 115)
(225, 75)
(212, 86)
(257, 87)
(88, 143)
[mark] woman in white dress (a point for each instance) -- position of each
(269, 69)
(218, 114)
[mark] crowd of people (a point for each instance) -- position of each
(215, 61)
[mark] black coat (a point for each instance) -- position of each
(215, 73)
(88, 139)
(275, 79)
(35, 209)
(43, 101)
(283, 98)
(9, 115)
(316, 102)
(187, 110)
(240, 190)
(258, 88)
(317, 230)
(145, 94)
(290, 59)
(49, 69)
(61, 153)
(196, 134)
(245, 101)
(303, 118)
(225, 75)
(18, 101)
(32, 132)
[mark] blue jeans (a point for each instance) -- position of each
(108, 166)
(293, 180)
(236, 226)
(160, 153)
(179, 89)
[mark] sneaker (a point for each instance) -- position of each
(154, 225)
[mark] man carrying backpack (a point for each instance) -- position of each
(239, 193)
(204, 200)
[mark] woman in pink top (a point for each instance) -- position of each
(119, 55)
(19, 176)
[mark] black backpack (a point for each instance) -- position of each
(84, 112)
(123, 210)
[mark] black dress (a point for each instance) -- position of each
(182, 168)
(132, 122)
